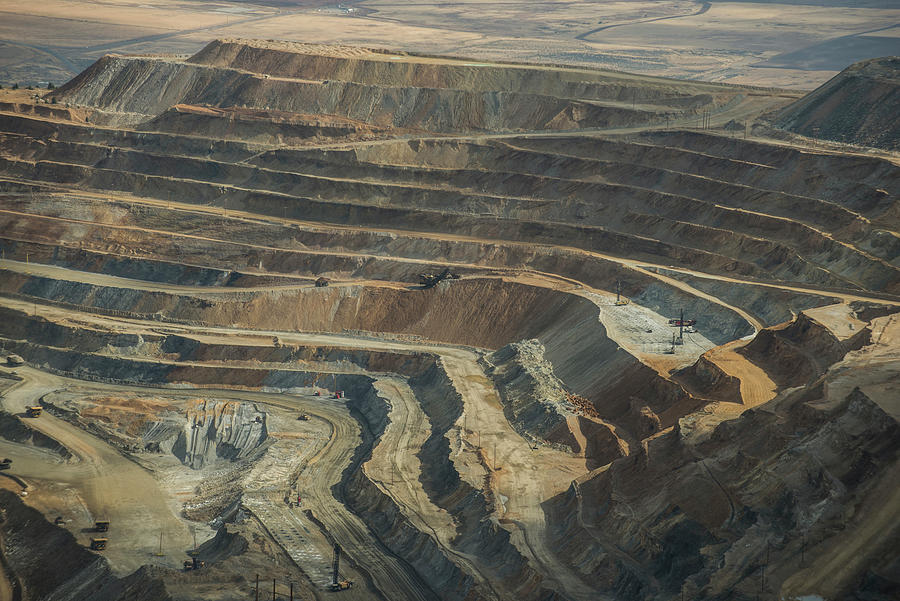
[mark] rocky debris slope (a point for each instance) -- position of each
(858, 106)
(534, 399)
(769, 499)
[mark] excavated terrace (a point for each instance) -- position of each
(516, 431)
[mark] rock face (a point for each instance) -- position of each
(219, 430)
(367, 87)
(859, 105)
(534, 399)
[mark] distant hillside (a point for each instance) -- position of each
(859, 105)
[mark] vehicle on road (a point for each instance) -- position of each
(98, 544)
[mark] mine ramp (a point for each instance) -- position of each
(430, 280)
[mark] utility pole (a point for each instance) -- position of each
(273, 589)
(681, 326)
(257, 587)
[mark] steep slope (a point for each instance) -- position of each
(858, 105)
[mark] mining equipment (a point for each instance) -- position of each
(15, 360)
(321, 282)
(619, 300)
(5, 464)
(33, 411)
(671, 351)
(193, 563)
(303, 417)
(101, 526)
(99, 544)
(682, 322)
(430, 280)
(59, 521)
(338, 585)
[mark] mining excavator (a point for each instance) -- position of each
(620, 300)
(430, 280)
(336, 583)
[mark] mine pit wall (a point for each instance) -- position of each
(102, 368)
(378, 510)
(797, 352)
(37, 330)
(534, 399)
(478, 532)
(485, 313)
(653, 543)
(219, 430)
(141, 88)
(566, 82)
(123, 138)
(718, 324)
(769, 305)
(854, 167)
(586, 237)
(254, 127)
(145, 268)
(752, 256)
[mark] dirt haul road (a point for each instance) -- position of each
(118, 489)
(654, 270)
(111, 486)
(486, 428)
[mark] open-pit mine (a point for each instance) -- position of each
(295, 321)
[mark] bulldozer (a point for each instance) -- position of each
(33, 411)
